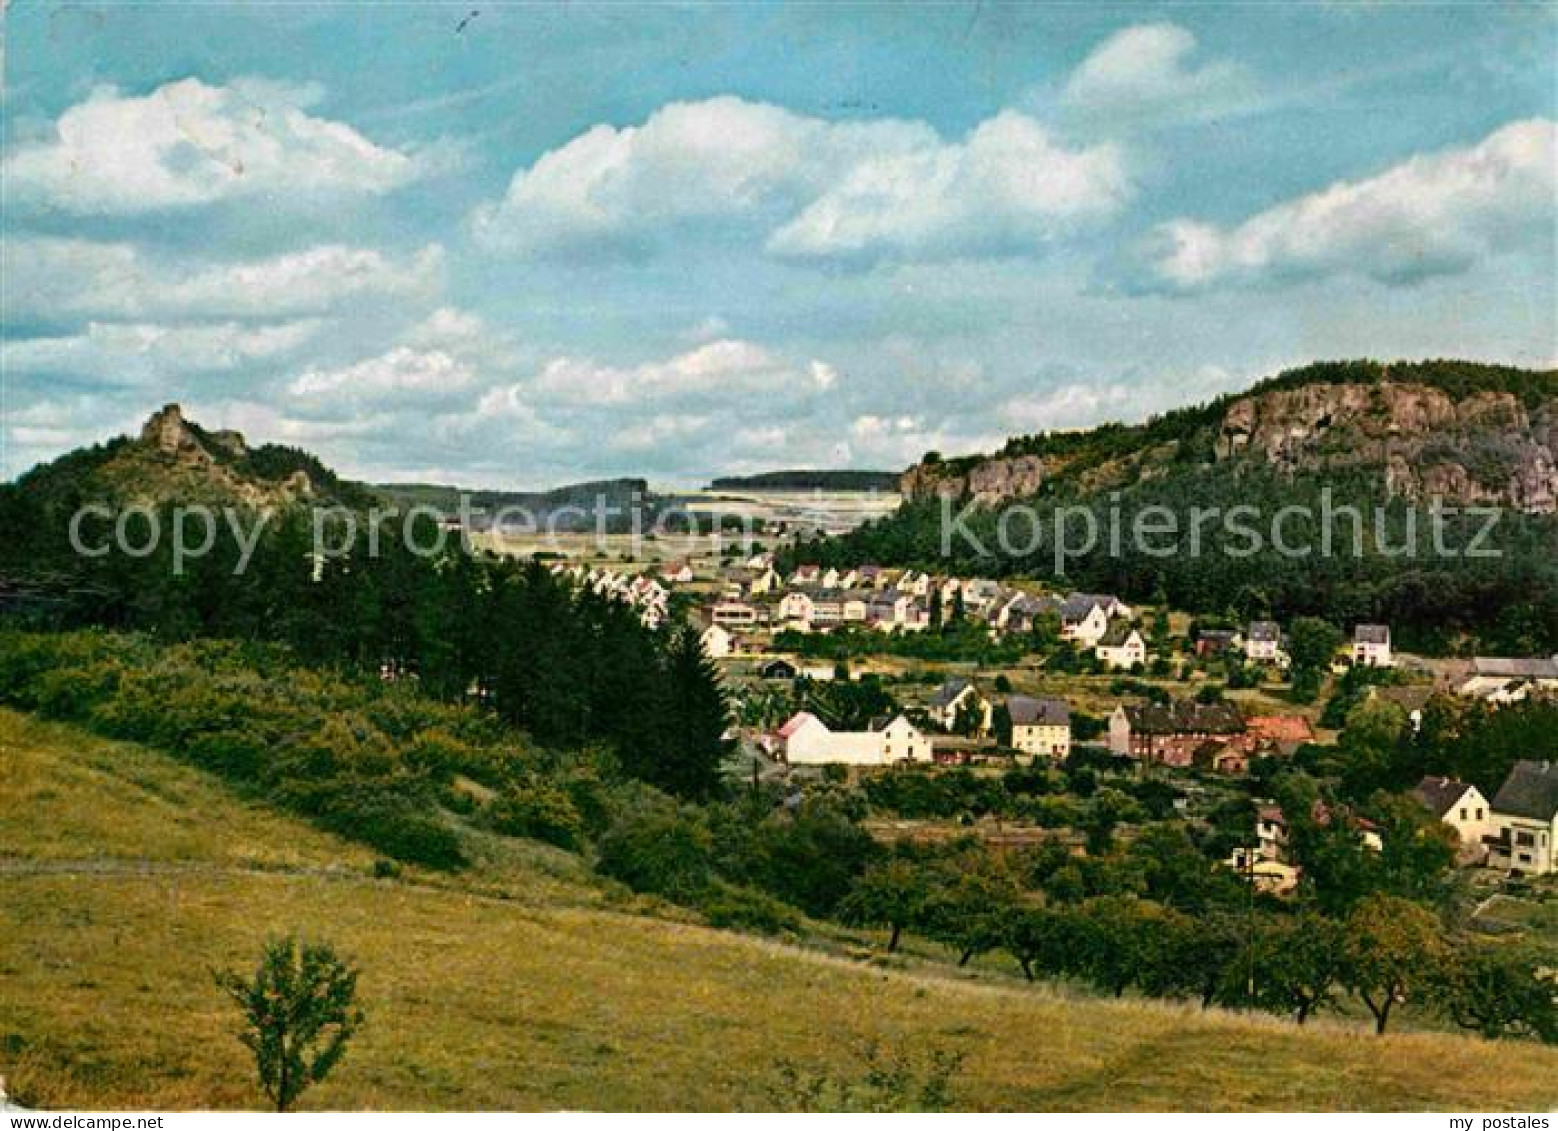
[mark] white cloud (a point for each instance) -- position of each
(187, 144)
(722, 368)
(401, 371)
(1150, 70)
(1435, 214)
(134, 353)
(52, 279)
(884, 187)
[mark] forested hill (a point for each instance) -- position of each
(802, 479)
(611, 496)
(1389, 439)
(176, 460)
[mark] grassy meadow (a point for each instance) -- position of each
(125, 877)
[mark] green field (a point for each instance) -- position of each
(126, 877)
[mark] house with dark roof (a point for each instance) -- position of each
(1371, 646)
(1525, 818)
(1263, 642)
(1121, 646)
(1040, 726)
(1171, 733)
(1085, 617)
(951, 698)
(779, 668)
(1462, 807)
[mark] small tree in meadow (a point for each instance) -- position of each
(299, 1011)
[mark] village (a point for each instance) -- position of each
(1077, 674)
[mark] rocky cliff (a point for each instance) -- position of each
(176, 459)
(1467, 446)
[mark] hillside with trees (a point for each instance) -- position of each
(1383, 442)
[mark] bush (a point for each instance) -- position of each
(662, 851)
(729, 905)
(538, 810)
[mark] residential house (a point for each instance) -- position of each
(764, 580)
(910, 613)
(1040, 726)
(1371, 646)
(806, 740)
(881, 610)
(1022, 612)
(980, 594)
(916, 582)
(1216, 641)
(1502, 680)
(957, 695)
(832, 578)
(806, 575)
(779, 668)
(854, 605)
(1084, 617)
(718, 641)
(1171, 733)
(1263, 643)
(1463, 808)
(796, 606)
(1525, 819)
(735, 614)
(1121, 646)
(827, 608)
(677, 572)
(1277, 734)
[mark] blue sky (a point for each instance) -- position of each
(566, 241)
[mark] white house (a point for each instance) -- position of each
(1040, 726)
(806, 575)
(796, 605)
(678, 572)
(1462, 807)
(1502, 680)
(950, 699)
(1371, 646)
(1263, 642)
(807, 741)
(735, 614)
(717, 641)
(1084, 618)
(1121, 646)
(1525, 818)
(830, 578)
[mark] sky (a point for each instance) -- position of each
(517, 245)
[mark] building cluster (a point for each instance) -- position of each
(957, 723)
(640, 591)
(1500, 680)
(754, 598)
(1212, 736)
(1515, 832)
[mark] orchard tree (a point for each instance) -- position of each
(892, 895)
(968, 909)
(299, 1011)
(1393, 948)
(1292, 967)
(1500, 991)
